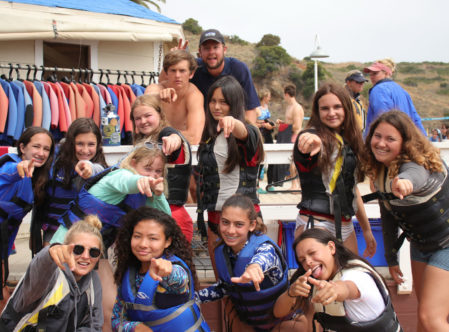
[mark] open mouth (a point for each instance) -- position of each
(316, 271)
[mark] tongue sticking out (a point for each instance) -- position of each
(316, 272)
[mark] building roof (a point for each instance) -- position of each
(116, 7)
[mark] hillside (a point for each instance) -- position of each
(427, 82)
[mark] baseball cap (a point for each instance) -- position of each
(211, 34)
(355, 75)
(377, 66)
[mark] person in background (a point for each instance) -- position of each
(346, 292)
(156, 276)
(386, 94)
(443, 131)
(412, 184)
(436, 136)
(60, 290)
(22, 178)
(354, 83)
(328, 156)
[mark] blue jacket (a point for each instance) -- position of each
(254, 308)
(387, 95)
(141, 306)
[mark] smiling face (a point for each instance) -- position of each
(376, 76)
(212, 53)
(85, 146)
(84, 264)
(149, 167)
(146, 120)
(386, 143)
(38, 148)
(234, 227)
(331, 111)
(354, 86)
(318, 257)
(178, 75)
(148, 241)
(218, 106)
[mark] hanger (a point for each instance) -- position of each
(11, 68)
(34, 73)
(28, 72)
(18, 73)
(118, 77)
(132, 76)
(141, 76)
(126, 78)
(43, 72)
(107, 76)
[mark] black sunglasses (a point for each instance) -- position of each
(93, 252)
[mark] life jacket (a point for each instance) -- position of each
(53, 310)
(178, 176)
(109, 214)
(423, 218)
(140, 304)
(214, 186)
(253, 307)
(333, 316)
(332, 193)
(12, 211)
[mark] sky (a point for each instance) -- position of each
(349, 30)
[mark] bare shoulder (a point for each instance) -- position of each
(154, 88)
(194, 94)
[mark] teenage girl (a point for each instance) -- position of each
(150, 125)
(327, 156)
(60, 290)
(230, 153)
(22, 177)
(251, 271)
(414, 184)
(80, 156)
(156, 276)
(346, 293)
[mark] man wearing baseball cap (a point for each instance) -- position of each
(212, 64)
(354, 82)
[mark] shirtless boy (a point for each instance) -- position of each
(182, 102)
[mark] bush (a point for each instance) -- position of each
(270, 59)
(443, 85)
(410, 81)
(295, 75)
(308, 77)
(234, 39)
(443, 92)
(407, 68)
(269, 40)
(192, 25)
(442, 71)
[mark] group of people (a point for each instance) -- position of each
(82, 207)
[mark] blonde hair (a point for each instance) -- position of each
(155, 103)
(263, 93)
(142, 152)
(389, 63)
(90, 225)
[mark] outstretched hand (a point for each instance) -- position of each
(181, 45)
(168, 95)
(253, 273)
(326, 291)
(226, 123)
(401, 187)
(171, 143)
(26, 168)
(301, 286)
(84, 169)
(63, 253)
(309, 143)
(148, 185)
(160, 268)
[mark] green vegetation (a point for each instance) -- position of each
(308, 77)
(407, 68)
(442, 71)
(234, 39)
(271, 56)
(146, 3)
(295, 75)
(192, 25)
(444, 92)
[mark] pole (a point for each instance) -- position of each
(316, 75)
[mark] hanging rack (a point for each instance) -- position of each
(43, 69)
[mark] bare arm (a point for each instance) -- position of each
(251, 116)
(298, 117)
(195, 117)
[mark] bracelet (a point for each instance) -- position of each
(288, 293)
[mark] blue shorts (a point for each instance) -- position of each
(439, 258)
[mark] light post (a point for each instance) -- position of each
(317, 53)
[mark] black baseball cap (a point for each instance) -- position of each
(211, 34)
(356, 75)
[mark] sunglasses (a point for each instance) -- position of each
(93, 252)
(151, 145)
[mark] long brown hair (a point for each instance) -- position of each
(40, 175)
(350, 130)
(415, 146)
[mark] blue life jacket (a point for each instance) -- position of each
(140, 304)
(15, 202)
(109, 214)
(253, 307)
